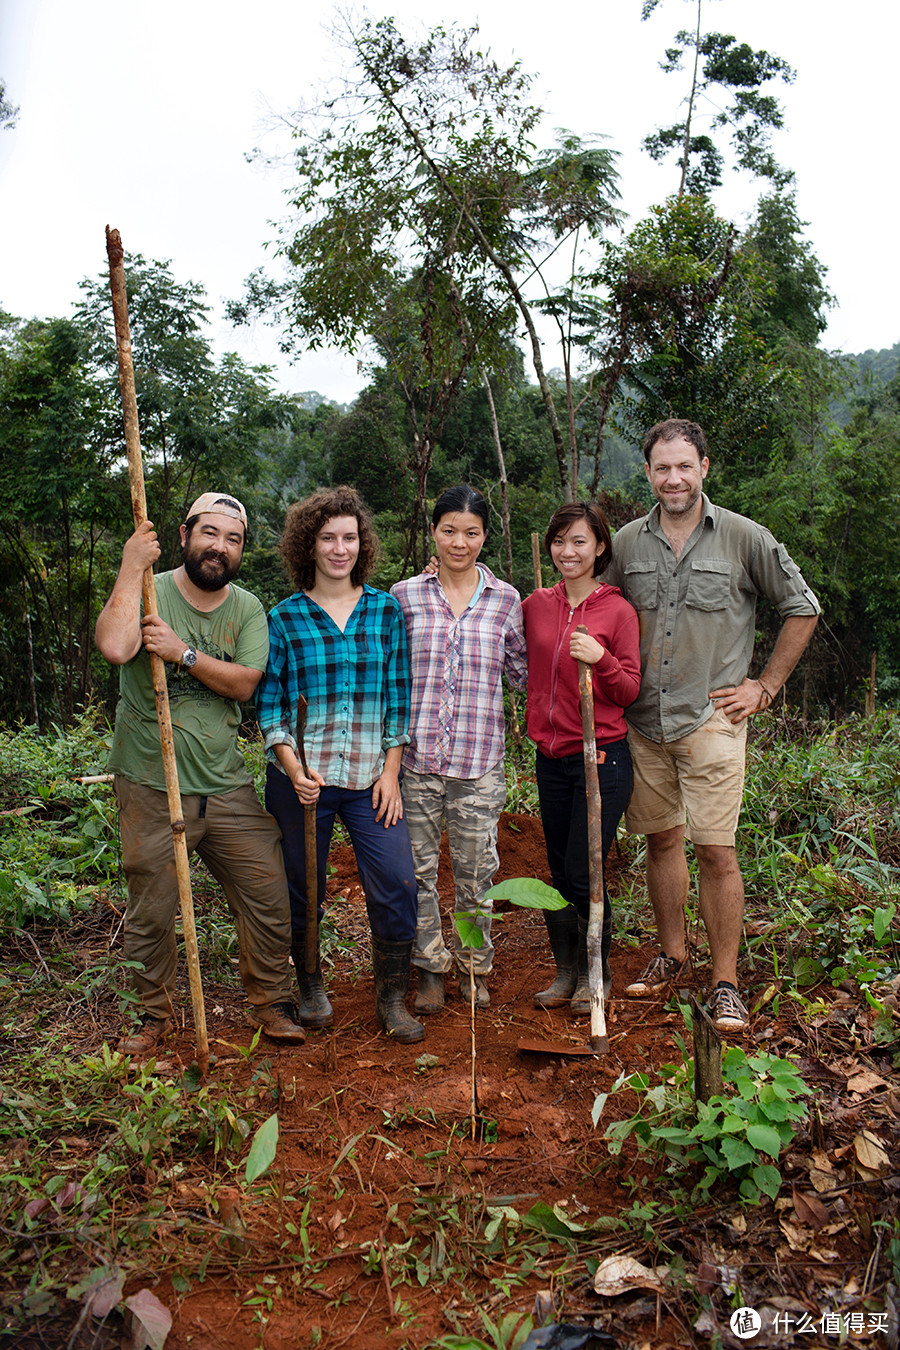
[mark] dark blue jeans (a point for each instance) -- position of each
(561, 790)
(383, 856)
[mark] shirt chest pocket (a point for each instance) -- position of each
(709, 585)
(642, 584)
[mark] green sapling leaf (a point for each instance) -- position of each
(528, 892)
(263, 1149)
(470, 935)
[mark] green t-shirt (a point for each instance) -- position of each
(204, 724)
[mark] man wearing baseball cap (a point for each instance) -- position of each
(214, 638)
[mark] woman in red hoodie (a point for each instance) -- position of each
(579, 542)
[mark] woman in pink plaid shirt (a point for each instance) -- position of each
(465, 633)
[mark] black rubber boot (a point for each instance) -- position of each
(390, 963)
(430, 991)
(562, 929)
(581, 998)
(313, 1006)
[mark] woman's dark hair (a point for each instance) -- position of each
(461, 498)
(589, 511)
(305, 519)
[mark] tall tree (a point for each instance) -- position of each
(9, 113)
(422, 165)
(721, 66)
(55, 501)
(201, 421)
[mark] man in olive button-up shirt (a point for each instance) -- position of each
(693, 571)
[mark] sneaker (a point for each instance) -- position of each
(659, 974)
(726, 1009)
(482, 996)
(279, 1023)
(146, 1035)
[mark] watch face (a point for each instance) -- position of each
(190, 658)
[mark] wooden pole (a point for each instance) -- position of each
(870, 688)
(599, 1042)
(536, 561)
(312, 862)
(116, 255)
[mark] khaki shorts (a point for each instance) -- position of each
(699, 778)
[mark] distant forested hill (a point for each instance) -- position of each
(868, 373)
(880, 366)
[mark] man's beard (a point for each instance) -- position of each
(681, 508)
(201, 570)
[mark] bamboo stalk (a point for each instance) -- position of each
(599, 1041)
(116, 255)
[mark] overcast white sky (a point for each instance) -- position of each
(139, 116)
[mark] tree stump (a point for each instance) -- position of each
(707, 1055)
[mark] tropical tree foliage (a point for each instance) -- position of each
(721, 68)
(65, 506)
(419, 179)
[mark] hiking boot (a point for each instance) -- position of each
(430, 991)
(726, 1009)
(658, 975)
(482, 996)
(279, 1023)
(562, 930)
(313, 1007)
(390, 964)
(146, 1035)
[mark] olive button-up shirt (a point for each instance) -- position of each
(697, 612)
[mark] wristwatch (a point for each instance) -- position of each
(189, 658)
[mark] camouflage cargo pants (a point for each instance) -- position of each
(470, 808)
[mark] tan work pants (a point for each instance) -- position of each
(240, 844)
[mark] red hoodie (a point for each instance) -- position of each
(554, 704)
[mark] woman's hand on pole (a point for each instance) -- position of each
(585, 648)
(306, 786)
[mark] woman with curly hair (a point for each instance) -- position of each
(342, 644)
(580, 546)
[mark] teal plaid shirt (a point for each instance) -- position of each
(356, 684)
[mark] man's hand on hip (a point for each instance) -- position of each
(740, 701)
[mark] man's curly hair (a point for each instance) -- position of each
(305, 519)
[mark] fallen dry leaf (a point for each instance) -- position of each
(823, 1182)
(867, 1081)
(707, 1278)
(617, 1274)
(809, 1209)
(871, 1152)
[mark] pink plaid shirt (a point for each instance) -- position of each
(457, 725)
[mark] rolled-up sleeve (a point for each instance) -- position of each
(397, 683)
(272, 702)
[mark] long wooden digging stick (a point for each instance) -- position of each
(116, 255)
(311, 956)
(599, 1042)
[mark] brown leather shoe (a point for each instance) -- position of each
(279, 1023)
(146, 1035)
